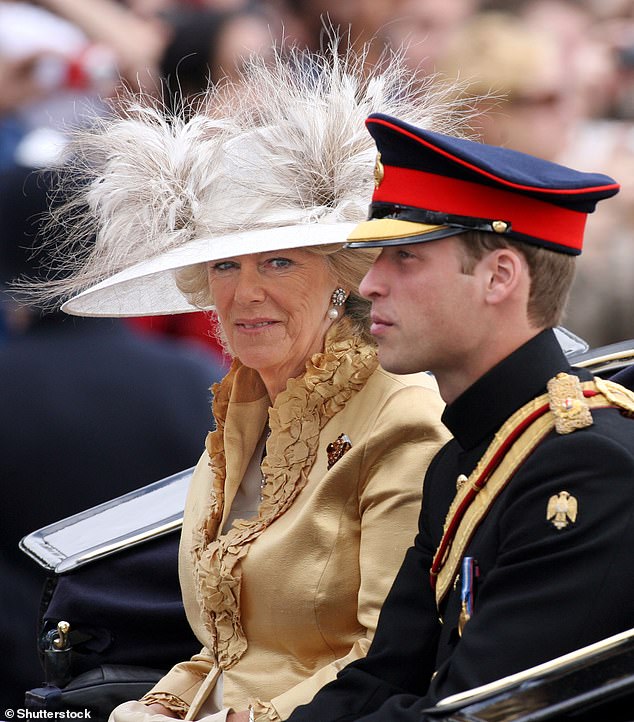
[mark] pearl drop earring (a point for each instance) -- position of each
(338, 298)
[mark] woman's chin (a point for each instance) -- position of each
(259, 356)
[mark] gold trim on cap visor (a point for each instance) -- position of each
(379, 229)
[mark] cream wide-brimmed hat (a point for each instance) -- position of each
(149, 288)
(280, 161)
(238, 196)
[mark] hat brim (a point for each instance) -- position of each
(149, 288)
(379, 232)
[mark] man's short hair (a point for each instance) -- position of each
(551, 273)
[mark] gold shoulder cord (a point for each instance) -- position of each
(566, 407)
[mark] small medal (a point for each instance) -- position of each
(468, 577)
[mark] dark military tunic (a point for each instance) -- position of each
(543, 591)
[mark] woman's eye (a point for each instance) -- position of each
(224, 266)
(280, 262)
(404, 254)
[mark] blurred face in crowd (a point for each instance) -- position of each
(532, 107)
(426, 28)
(538, 121)
(273, 309)
(364, 17)
(241, 37)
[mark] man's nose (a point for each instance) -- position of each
(374, 282)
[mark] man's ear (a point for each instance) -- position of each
(506, 272)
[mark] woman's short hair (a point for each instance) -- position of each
(348, 266)
(551, 273)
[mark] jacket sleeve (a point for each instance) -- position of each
(406, 435)
(177, 689)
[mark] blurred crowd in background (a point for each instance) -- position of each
(558, 76)
(561, 71)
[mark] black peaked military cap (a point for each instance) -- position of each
(429, 185)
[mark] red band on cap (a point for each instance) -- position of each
(528, 216)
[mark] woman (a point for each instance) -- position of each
(284, 580)
(308, 492)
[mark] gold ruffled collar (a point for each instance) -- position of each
(296, 419)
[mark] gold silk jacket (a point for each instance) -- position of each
(283, 601)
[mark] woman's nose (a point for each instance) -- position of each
(249, 286)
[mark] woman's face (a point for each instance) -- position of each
(273, 308)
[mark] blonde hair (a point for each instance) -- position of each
(347, 266)
(551, 273)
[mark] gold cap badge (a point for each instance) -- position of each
(379, 171)
(562, 510)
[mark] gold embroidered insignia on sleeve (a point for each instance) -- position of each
(567, 403)
(337, 448)
(562, 510)
(379, 171)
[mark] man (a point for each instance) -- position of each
(531, 558)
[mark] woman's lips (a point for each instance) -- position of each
(255, 324)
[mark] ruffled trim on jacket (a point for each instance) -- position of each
(296, 419)
(171, 702)
(265, 712)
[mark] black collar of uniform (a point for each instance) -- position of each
(480, 410)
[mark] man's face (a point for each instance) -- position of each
(424, 308)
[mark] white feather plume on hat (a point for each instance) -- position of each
(281, 160)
